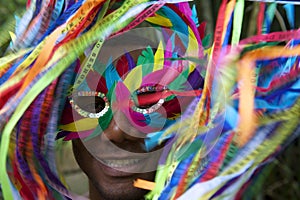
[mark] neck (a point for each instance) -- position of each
(94, 194)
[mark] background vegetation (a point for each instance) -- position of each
(8, 11)
(9, 8)
(280, 179)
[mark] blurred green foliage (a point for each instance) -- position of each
(9, 8)
(8, 11)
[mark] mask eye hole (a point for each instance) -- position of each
(90, 104)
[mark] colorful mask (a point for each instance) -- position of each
(150, 85)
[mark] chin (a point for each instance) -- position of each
(107, 183)
(117, 191)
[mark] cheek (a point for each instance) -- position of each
(83, 157)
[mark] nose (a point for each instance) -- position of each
(120, 130)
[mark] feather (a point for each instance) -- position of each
(193, 45)
(201, 30)
(194, 16)
(159, 57)
(176, 177)
(122, 66)
(63, 17)
(7, 74)
(56, 11)
(80, 125)
(39, 121)
(130, 61)
(24, 152)
(178, 83)
(169, 52)
(177, 22)
(22, 24)
(163, 77)
(111, 75)
(146, 59)
(103, 123)
(178, 25)
(160, 20)
(133, 79)
(154, 139)
(290, 12)
(157, 120)
(195, 80)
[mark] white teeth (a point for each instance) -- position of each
(121, 163)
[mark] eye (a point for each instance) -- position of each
(90, 104)
(148, 99)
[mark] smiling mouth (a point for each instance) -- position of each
(121, 163)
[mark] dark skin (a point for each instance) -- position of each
(120, 142)
(107, 182)
(117, 157)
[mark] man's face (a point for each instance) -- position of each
(118, 154)
(117, 159)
